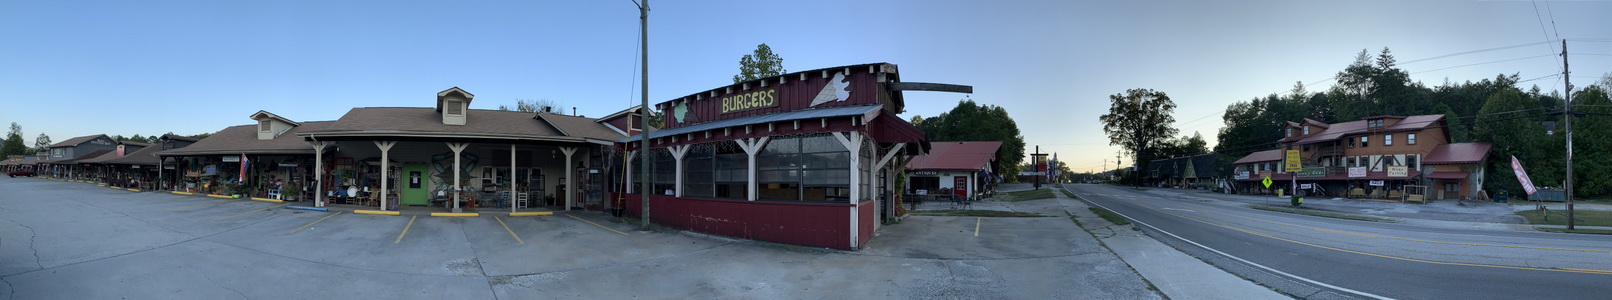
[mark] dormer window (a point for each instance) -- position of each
(455, 108)
(263, 125)
(1306, 130)
(1378, 123)
(1290, 132)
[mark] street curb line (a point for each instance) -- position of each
(134, 190)
(221, 196)
(442, 214)
(377, 212)
(266, 200)
(183, 193)
(534, 213)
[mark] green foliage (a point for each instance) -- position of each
(1108, 215)
(13, 144)
(970, 121)
(761, 64)
(1504, 121)
(1138, 121)
(41, 142)
(1592, 143)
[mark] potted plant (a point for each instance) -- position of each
(291, 191)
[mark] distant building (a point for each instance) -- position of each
(1376, 157)
(963, 168)
(1197, 171)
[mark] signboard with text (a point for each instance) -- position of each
(1376, 183)
(1312, 172)
(1241, 175)
(1398, 171)
(1522, 176)
(1293, 164)
(1357, 172)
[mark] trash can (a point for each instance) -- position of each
(1500, 197)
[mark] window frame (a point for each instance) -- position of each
(1388, 140)
(1410, 138)
(1365, 141)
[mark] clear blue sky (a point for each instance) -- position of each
(72, 68)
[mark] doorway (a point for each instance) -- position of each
(416, 184)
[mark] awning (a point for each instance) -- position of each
(1449, 175)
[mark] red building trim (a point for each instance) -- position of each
(813, 224)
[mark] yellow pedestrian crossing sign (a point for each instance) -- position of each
(1267, 182)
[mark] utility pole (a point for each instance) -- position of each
(1567, 125)
(643, 148)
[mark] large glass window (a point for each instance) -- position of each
(664, 168)
(778, 169)
(699, 171)
(732, 165)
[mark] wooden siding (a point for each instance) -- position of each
(811, 224)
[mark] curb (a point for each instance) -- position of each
(377, 212)
(442, 214)
(528, 214)
(183, 193)
(307, 208)
(266, 200)
(221, 196)
(133, 190)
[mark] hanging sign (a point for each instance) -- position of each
(231, 159)
(1522, 176)
(1376, 183)
(1241, 175)
(1357, 172)
(1293, 164)
(1398, 171)
(1313, 172)
(1304, 186)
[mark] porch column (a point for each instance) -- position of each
(630, 155)
(457, 149)
(877, 184)
(853, 142)
(752, 146)
(318, 173)
(512, 182)
(677, 178)
(569, 177)
(386, 148)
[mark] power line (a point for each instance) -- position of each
(1482, 63)
(1547, 42)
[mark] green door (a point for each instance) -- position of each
(416, 184)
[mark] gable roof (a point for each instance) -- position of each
(1262, 156)
(444, 94)
(77, 140)
(1340, 130)
(145, 157)
(956, 156)
(93, 154)
(241, 139)
(580, 126)
(267, 114)
(101, 158)
(1459, 153)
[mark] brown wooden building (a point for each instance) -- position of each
(1376, 157)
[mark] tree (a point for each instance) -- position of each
(1605, 82)
(970, 121)
(761, 64)
(1137, 121)
(522, 105)
(41, 142)
(1592, 143)
(1182, 146)
(13, 144)
(1504, 122)
(200, 136)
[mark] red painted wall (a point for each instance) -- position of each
(826, 225)
(864, 225)
(793, 94)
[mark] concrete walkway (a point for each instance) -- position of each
(1176, 274)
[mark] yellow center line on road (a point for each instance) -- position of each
(1410, 239)
(253, 211)
(977, 221)
(315, 222)
(405, 229)
(1567, 270)
(511, 232)
(596, 224)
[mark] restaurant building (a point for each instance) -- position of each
(961, 169)
(802, 158)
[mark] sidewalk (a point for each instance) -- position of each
(1176, 274)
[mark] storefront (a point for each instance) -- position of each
(961, 169)
(802, 158)
(462, 159)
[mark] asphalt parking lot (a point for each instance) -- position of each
(70, 240)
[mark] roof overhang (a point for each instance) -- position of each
(261, 114)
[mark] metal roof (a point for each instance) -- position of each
(956, 156)
(839, 111)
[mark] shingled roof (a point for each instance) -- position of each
(481, 123)
(956, 156)
(77, 140)
(243, 139)
(1458, 153)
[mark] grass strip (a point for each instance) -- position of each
(1110, 216)
(1066, 193)
(1589, 217)
(1583, 231)
(977, 213)
(1026, 195)
(1320, 213)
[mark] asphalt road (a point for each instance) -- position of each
(1317, 257)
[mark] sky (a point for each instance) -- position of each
(75, 68)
